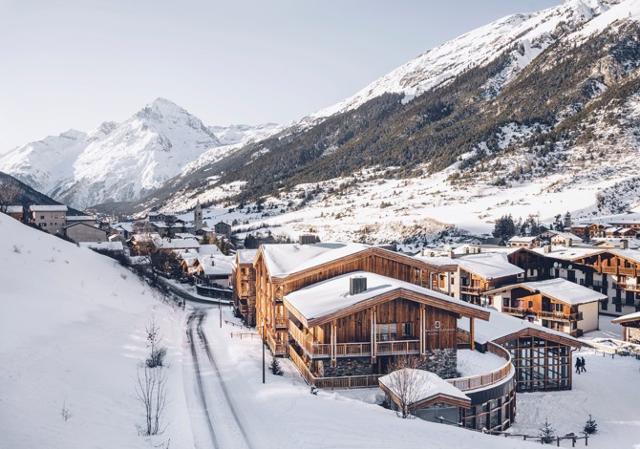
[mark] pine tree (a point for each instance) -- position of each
(547, 433)
(590, 426)
(275, 367)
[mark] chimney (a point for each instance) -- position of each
(357, 284)
(547, 249)
(624, 244)
(569, 242)
(451, 254)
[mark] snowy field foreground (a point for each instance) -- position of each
(72, 327)
(283, 414)
(608, 391)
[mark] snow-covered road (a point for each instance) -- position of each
(215, 422)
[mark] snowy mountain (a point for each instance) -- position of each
(122, 161)
(532, 114)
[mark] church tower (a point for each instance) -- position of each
(197, 217)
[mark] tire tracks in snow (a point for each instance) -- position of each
(223, 386)
(196, 366)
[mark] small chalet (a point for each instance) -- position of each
(524, 241)
(478, 273)
(554, 303)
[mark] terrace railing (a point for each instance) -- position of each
(487, 379)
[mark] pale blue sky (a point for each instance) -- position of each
(73, 64)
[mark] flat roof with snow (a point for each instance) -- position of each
(324, 299)
(15, 209)
(48, 208)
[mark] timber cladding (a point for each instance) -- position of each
(271, 290)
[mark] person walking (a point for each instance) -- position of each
(583, 364)
(578, 365)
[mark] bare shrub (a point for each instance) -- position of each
(157, 352)
(152, 394)
(406, 382)
(65, 412)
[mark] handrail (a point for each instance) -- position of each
(483, 380)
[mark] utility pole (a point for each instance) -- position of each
(263, 356)
(220, 309)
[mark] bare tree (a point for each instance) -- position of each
(406, 382)
(152, 393)
(9, 194)
(65, 412)
(154, 342)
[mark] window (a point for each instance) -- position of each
(387, 332)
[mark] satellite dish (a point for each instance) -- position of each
(570, 267)
(556, 264)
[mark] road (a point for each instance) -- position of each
(214, 414)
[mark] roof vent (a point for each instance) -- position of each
(357, 284)
(624, 244)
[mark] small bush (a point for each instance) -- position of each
(275, 367)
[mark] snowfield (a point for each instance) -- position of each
(72, 326)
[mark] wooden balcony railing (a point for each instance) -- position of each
(277, 348)
(462, 383)
(521, 311)
(398, 347)
(470, 290)
(627, 271)
(281, 323)
(331, 382)
(609, 270)
(484, 380)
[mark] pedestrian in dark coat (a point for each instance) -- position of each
(578, 365)
(583, 364)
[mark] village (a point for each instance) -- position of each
(451, 334)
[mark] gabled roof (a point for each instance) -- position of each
(426, 387)
(82, 223)
(330, 299)
(502, 327)
(164, 243)
(569, 253)
(246, 256)
(216, 265)
(627, 318)
(558, 289)
(489, 265)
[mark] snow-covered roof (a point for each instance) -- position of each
(105, 246)
(635, 316)
(566, 236)
(560, 290)
(327, 297)
(500, 325)
(568, 252)
(438, 261)
(165, 243)
(613, 219)
(48, 208)
(216, 265)
(246, 255)
(81, 218)
(286, 259)
(17, 209)
(523, 239)
(489, 265)
(184, 235)
(631, 254)
(424, 385)
(209, 250)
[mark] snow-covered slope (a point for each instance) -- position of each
(72, 325)
(241, 134)
(523, 35)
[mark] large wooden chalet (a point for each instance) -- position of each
(282, 269)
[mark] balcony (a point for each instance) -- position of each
(471, 290)
(627, 271)
(467, 383)
(277, 348)
(609, 270)
(521, 312)
(353, 349)
(281, 323)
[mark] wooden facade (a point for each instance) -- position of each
(271, 316)
(243, 279)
